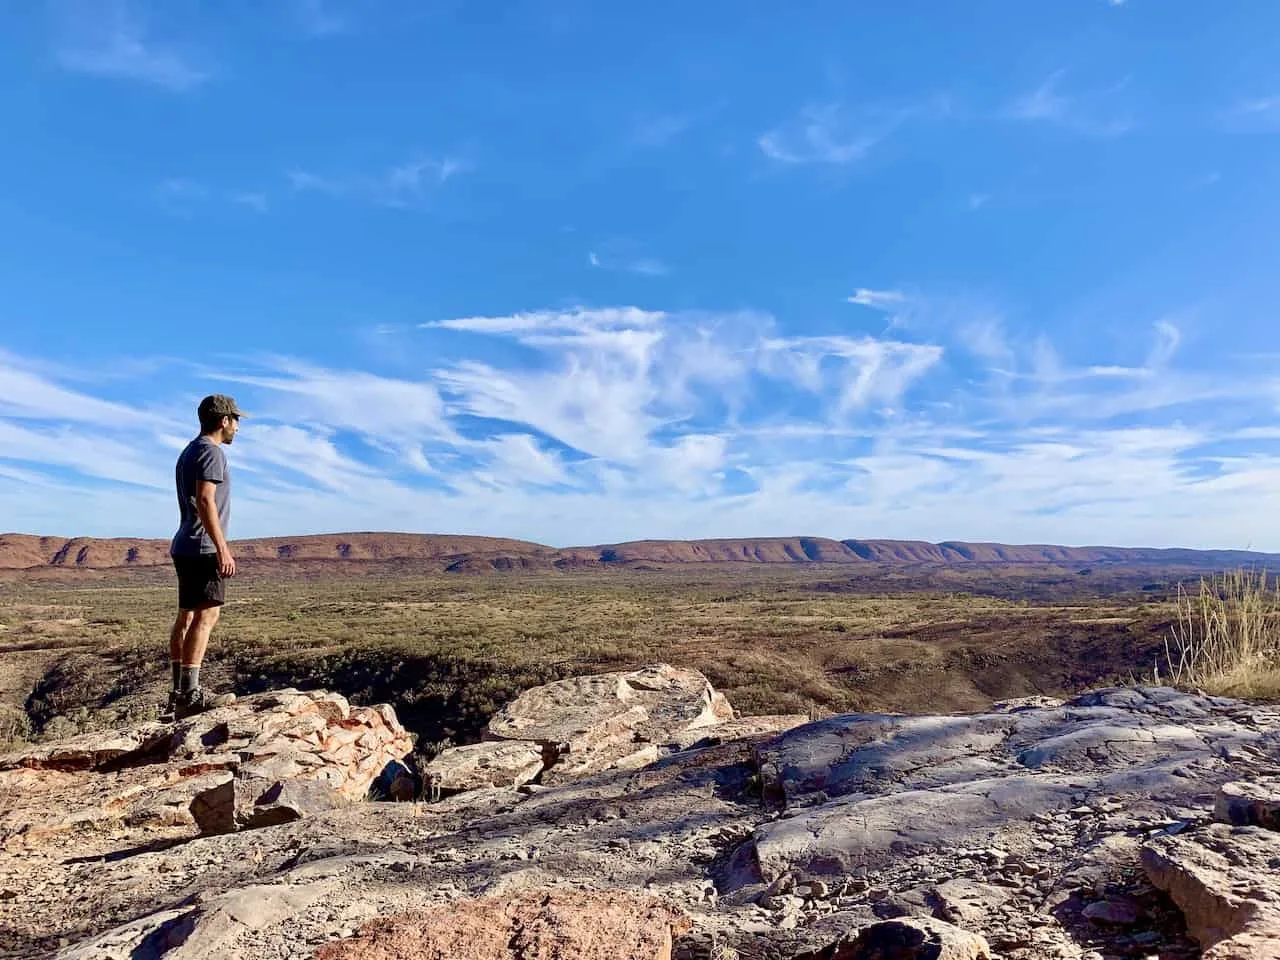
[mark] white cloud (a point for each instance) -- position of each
(270, 448)
(985, 339)
(382, 409)
(576, 321)
(1260, 105)
(1091, 113)
(519, 459)
(644, 266)
(1168, 339)
(28, 394)
(406, 185)
(79, 449)
(824, 134)
(690, 464)
(857, 371)
(878, 299)
(107, 38)
(602, 424)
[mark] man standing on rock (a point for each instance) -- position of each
(201, 555)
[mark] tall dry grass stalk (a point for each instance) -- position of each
(1226, 639)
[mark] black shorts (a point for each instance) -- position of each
(199, 583)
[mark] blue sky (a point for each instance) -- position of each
(582, 272)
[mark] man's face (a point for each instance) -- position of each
(229, 427)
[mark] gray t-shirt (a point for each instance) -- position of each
(201, 460)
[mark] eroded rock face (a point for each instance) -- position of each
(265, 759)
(534, 925)
(863, 791)
(1224, 879)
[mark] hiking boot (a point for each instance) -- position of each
(199, 700)
(170, 712)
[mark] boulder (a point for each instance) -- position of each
(493, 763)
(541, 924)
(1224, 880)
(908, 938)
(297, 754)
(589, 724)
(1255, 803)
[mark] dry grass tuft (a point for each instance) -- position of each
(1226, 638)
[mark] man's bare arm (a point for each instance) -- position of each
(207, 508)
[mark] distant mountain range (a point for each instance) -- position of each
(477, 554)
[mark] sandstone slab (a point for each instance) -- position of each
(1225, 882)
(492, 763)
(591, 723)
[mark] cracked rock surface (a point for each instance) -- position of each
(1036, 830)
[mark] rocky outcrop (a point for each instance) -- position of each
(913, 938)
(614, 925)
(862, 791)
(263, 760)
(574, 728)
(1224, 879)
(1016, 833)
(480, 765)
(592, 723)
(1254, 804)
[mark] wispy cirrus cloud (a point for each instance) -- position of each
(625, 257)
(824, 134)
(1258, 105)
(878, 299)
(110, 38)
(1090, 113)
(839, 134)
(406, 185)
(593, 424)
(183, 196)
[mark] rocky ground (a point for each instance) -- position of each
(632, 816)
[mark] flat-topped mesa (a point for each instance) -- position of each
(454, 553)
